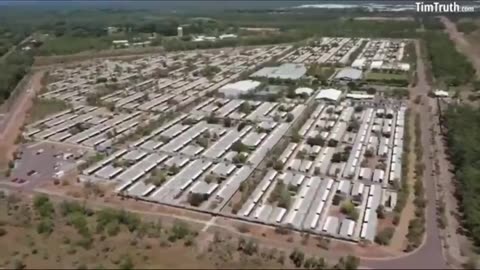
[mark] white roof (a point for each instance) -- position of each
(304, 90)
(330, 94)
(210, 38)
(376, 64)
(123, 41)
(349, 73)
(360, 96)
(227, 36)
(243, 86)
(291, 71)
(202, 38)
(359, 63)
(440, 93)
(404, 66)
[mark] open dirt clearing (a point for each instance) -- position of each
(148, 245)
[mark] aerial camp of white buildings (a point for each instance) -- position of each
(318, 177)
(345, 152)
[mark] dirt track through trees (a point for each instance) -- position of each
(15, 118)
(461, 43)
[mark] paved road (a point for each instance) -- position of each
(430, 253)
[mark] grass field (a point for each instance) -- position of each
(71, 45)
(321, 71)
(397, 93)
(379, 76)
(44, 107)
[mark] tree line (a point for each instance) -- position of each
(467, 27)
(463, 139)
(9, 38)
(448, 64)
(13, 67)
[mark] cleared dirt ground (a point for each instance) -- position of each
(154, 249)
(264, 235)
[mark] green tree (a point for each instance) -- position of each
(384, 236)
(45, 226)
(238, 146)
(348, 263)
(126, 263)
(289, 117)
(296, 138)
(44, 207)
(317, 140)
(19, 264)
(297, 257)
(227, 122)
(245, 108)
(250, 248)
(196, 199)
(180, 230)
(348, 208)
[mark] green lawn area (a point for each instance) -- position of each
(321, 72)
(44, 107)
(380, 76)
(397, 92)
(71, 45)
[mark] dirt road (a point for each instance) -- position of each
(461, 43)
(14, 119)
(430, 254)
(444, 169)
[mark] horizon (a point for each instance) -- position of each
(188, 4)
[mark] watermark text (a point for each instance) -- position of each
(437, 7)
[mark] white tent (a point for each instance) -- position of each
(329, 94)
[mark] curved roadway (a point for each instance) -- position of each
(430, 254)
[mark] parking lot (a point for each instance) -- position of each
(36, 163)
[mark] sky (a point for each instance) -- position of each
(180, 5)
